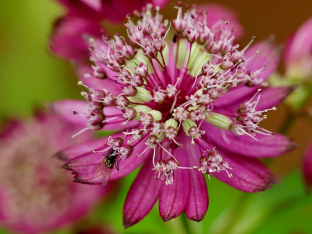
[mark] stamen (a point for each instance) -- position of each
(247, 46)
(144, 151)
(154, 154)
(100, 151)
(81, 83)
(110, 119)
(83, 130)
(174, 101)
(167, 152)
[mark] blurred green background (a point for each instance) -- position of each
(30, 76)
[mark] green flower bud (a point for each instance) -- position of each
(219, 120)
(142, 96)
(139, 109)
(156, 115)
(187, 124)
(171, 122)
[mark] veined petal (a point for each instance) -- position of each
(174, 197)
(85, 165)
(197, 204)
(266, 146)
(235, 96)
(307, 169)
(270, 97)
(142, 195)
(249, 175)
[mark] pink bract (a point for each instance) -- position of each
(35, 195)
(185, 104)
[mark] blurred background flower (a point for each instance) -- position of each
(36, 195)
(29, 75)
(84, 18)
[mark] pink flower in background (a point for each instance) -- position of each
(307, 169)
(84, 18)
(298, 65)
(35, 195)
(184, 104)
(298, 53)
(114, 11)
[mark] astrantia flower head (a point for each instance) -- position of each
(185, 99)
(35, 195)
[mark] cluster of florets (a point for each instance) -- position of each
(165, 170)
(211, 161)
(248, 118)
(162, 98)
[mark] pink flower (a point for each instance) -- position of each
(298, 53)
(83, 18)
(35, 195)
(184, 104)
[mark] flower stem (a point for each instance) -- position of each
(185, 224)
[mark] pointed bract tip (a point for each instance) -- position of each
(272, 180)
(127, 222)
(292, 145)
(270, 39)
(292, 88)
(60, 155)
(67, 166)
(262, 188)
(168, 217)
(81, 181)
(196, 217)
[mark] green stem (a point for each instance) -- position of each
(185, 224)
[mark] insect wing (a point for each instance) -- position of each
(102, 173)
